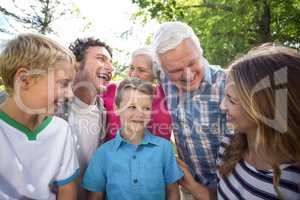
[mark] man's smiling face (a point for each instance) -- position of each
(182, 65)
(97, 67)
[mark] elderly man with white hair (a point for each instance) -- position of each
(194, 91)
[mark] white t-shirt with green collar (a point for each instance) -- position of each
(34, 161)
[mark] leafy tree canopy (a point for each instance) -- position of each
(227, 28)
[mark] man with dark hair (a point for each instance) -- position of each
(86, 113)
(80, 46)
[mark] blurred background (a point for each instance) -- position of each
(226, 28)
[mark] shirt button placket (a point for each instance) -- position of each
(135, 173)
(134, 163)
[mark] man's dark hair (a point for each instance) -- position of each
(80, 46)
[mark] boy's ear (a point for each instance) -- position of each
(22, 78)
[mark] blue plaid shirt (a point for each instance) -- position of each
(199, 123)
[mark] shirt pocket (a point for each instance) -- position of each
(152, 177)
(118, 177)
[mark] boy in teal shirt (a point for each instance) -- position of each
(136, 164)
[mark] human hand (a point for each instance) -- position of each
(190, 184)
(187, 181)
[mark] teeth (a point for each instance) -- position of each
(103, 76)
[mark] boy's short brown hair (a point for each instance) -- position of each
(32, 51)
(134, 84)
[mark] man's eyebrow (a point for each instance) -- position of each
(176, 69)
(192, 62)
(100, 54)
(103, 55)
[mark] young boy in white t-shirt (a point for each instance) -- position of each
(37, 151)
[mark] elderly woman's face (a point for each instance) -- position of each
(141, 67)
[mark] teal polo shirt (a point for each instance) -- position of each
(128, 172)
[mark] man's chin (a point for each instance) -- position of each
(102, 89)
(187, 87)
(191, 88)
(191, 85)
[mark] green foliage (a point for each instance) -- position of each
(120, 72)
(227, 28)
(120, 65)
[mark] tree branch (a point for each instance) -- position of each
(207, 4)
(4, 31)
(7, 13)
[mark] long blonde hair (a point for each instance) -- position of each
(267, 82)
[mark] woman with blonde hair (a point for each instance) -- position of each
(261, 159)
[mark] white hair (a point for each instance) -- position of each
(142, 51)
(148, 52)
(169, 36)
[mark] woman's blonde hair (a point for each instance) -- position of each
(268, 86)
(32, 51)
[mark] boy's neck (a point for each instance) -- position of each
(132, 136)
(30, 121)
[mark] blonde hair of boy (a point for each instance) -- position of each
(32, 51)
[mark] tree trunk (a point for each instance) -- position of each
(265, 22)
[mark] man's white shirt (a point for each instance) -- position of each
(88, 125)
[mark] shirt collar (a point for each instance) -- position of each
(148, 139)
(207, 74)
(97, 102)
(82, 104)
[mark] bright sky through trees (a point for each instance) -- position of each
(109, 20)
